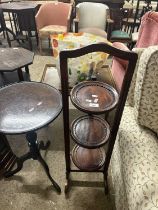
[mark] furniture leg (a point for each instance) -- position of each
(67, 184)
(10, 20)
(20, 162)
(106, 189)
(42, 146)
(49, 42)
(8, 39)
(35, 153)
(40, 45)
(37, 40)
(46, 168)
(4, 34)
(30, 41)
(15, 23)
(20, 74)
(27, 69)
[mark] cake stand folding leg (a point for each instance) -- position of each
(106, 189)
(67, 184)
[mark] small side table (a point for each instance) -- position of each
(24, 108)
(14, 59)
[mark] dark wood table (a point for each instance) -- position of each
(14, 59)
(23, 19)
(24, 108)
(18, 6)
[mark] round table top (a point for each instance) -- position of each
(28, 106)
(13, 58)
(18, 6)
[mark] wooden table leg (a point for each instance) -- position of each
(27, 69)
(20, 74)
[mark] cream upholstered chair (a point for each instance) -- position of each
(53, 17)
(134, 163)
(91, 17)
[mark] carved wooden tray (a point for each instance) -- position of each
(94, 97)
(88, 159)
(90, 131)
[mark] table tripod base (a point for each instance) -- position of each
(34, 153)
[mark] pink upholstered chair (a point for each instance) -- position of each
(53, 17)
(147, 36)
(148, 31)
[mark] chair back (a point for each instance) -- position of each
(92, 15)
(26, 20)
(53, 13)
(148, 30)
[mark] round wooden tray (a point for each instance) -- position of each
(88, 159)
(94, 97)
(90, 131)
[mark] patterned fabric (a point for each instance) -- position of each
(146, 90)
(117, 185)
(135, 172)
(148, 30)
(131, 91)
(52, 29)
(95, 31)
(80, 67)
(134, 163)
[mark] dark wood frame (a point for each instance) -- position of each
(131, 57)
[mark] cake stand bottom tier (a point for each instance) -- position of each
(88, 159)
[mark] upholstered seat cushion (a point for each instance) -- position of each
(119, 34)
(95, 31)
(138, 148)
(51, 29)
